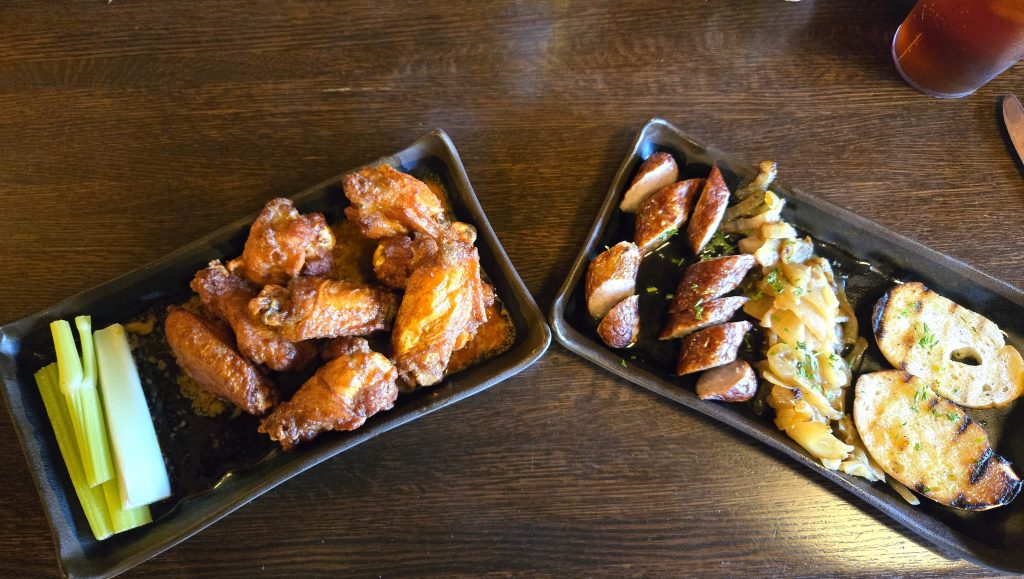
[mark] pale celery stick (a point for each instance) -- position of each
(88, 399)
(91, 498)
(140, 466)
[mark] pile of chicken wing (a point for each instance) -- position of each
(282, 305)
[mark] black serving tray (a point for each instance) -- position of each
(872, 258)
(254, 465)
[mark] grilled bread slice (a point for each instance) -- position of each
(611, 277)
(658, 171)
(961, 353)
(620, 328)
(930, 444)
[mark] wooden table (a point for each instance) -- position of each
(129, 128)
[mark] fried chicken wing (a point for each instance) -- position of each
(445, 302)
(396, 257)
(206, 353)
(493, 337)
(283, 243)
(387, 202)
(227, 296)
(317, 307)
(340, 396)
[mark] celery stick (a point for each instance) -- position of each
(70, 380)
(120, 518)
(91, 498)
(141, 472)
(89, 406)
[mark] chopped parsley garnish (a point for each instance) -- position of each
(801, 345)
(623, 363)
(698, 310)
(920, 396)
(980, 439)
(669, 233)
(773, 281)
(694, 286)
(669, 296)
(651, 289)
(928, 339)
(677, 261)
(798, 291)
(905, 311)
(925, 489)
(953, 417)
(756, 295)
(917, 446)
(718, 246)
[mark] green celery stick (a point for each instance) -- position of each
(94, 426)
(121, 518)
(91, 498)
(70, 381)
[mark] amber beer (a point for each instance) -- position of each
(951, 48)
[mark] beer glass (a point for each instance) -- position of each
(951, 48)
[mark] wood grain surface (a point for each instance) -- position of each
(129, 128)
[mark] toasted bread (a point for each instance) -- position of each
(930, 444)
(961, 353)
(658, 171)
(611, 277)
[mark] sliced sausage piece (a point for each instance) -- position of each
(611, 277)
(709, 279)
(620, 328)
(658, 171)
(711, 347)
(709, 211)
(664, 213)
(701, 315)
(734, 382)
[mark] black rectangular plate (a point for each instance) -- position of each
(991, 538)
(25, 346)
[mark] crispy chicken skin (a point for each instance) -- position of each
(340, 396)
(204, 350)
(445, 302)
(396, 257)
(492, 338)
(386, 202)
(318, 307)
(282, 243)
(227, 296)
